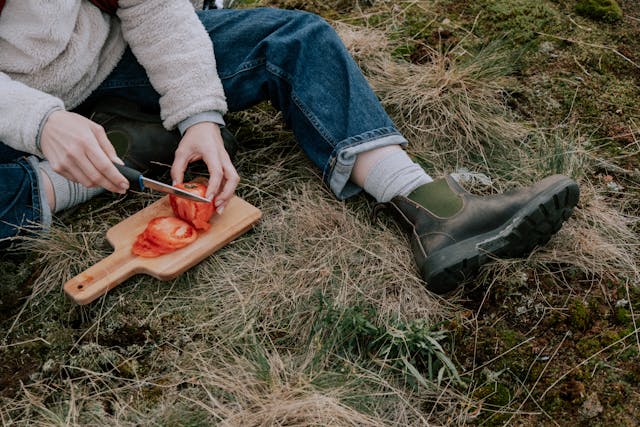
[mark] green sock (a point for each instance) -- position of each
(438, 198)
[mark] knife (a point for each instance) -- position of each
(136, 179)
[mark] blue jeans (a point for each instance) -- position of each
(296, 61)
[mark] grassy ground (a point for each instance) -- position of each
(317, 317)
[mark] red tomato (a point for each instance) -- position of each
(170, 232)
(196, 213)
(163, 234)
(146, 249)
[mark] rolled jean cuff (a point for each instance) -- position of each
(346, 155)
(39, 194)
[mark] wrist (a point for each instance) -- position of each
(205, 116)
(203, 127)
(41, 129)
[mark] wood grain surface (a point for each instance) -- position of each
(238, 217)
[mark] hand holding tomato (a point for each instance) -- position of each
(197, 214)
(203, 141)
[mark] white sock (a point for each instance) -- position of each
(395, 175)
(67, 193)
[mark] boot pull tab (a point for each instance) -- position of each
(376, 210)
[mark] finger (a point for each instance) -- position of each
(105, 165)
(78, 176)
(215, 168)
(96, 179)
(180, 163)
(106, 144)
(229, 186)
(215, 179)
(110, 178)
(101, 170)
(59, 164)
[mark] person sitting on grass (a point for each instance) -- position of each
(57, 58)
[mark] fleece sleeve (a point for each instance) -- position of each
(23, 111)
(174, 48)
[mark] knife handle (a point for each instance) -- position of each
(133, 176)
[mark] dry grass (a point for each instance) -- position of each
(451, 105)
(600, 241)
(245, 339)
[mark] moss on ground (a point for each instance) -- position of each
(580, 317)
(601, 10)
(536, 342)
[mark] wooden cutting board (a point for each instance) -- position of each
(237, 218)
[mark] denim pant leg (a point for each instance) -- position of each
(296, 61)
(20, 198)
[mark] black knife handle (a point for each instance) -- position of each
(132, 175)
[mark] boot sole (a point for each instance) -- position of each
(531, 226)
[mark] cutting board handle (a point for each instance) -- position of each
(99, 278)
(239, 216)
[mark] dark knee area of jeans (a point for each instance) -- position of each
(18, 209)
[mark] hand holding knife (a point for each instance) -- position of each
(137, 180)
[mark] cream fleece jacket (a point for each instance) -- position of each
(53, 54)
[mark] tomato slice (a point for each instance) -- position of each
(196, 213)
(162, 235)
(146, 249)
(170, 232)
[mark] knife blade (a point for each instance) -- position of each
(138, 180)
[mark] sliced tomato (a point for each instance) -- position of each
(196, 213)
(162, 235)
(146, 249)
(170, 232)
